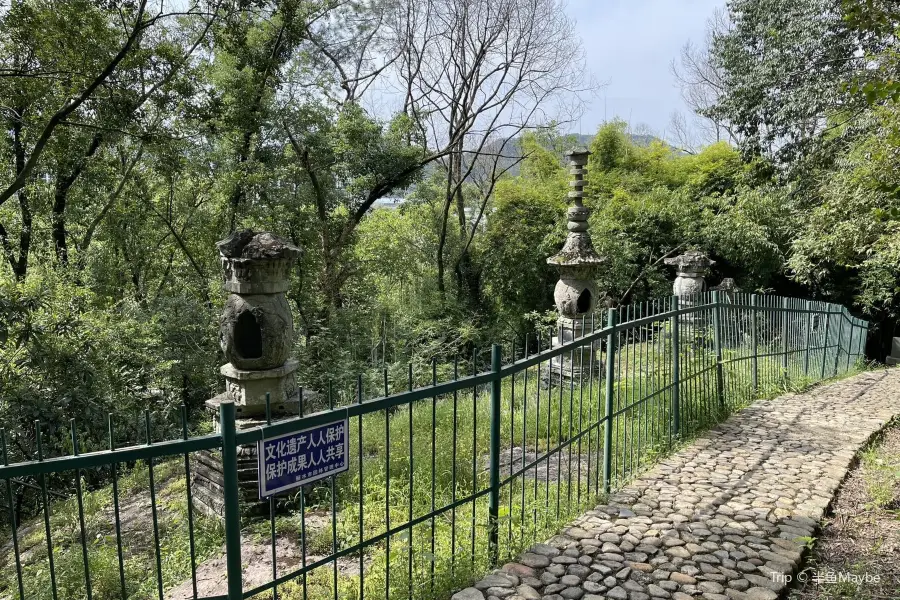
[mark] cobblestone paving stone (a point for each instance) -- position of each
(723, 519)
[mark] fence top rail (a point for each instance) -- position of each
(694, 304)
(103, 458)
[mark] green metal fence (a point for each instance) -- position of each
(447, 479)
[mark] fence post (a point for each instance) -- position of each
(784, 338)
(825, 343)
(837, 349)
(717, 340)
(676, 370)
(754, 340)
(806, 345)
(232, 502)
(612, 318)
(494, 498)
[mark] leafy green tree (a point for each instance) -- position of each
(526, 226)
(847, 248)
(77, 77)
(785, 68)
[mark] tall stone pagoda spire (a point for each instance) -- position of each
(576, 292)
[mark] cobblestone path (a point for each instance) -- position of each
(724, 519)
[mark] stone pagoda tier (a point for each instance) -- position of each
(576, 292)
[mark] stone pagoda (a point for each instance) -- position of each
(576, 292)
(256, 333)
(256, 330)
(690, 280)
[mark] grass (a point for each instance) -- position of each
(138, 548)
(423, 457)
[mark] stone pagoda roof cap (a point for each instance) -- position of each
(576, 252)
(578, 155)
(692, 260)
(247, 244)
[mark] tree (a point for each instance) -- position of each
(702, 87)
(351, 161)
(784, 68)
(474, 75)
(75, 78)
(877, 20)
(847, 247)
(526, 227)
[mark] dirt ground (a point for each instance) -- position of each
(857, 554)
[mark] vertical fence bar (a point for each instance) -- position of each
(806, 345)
(837, 348)
(359, 444)
(190, 503)
(433, 470)
(45, 500)
(232, 502)
(850, 338)
(754, 340)
(717, 340)
(304, 580)
(118, 520)
(80, 501)
(272, 509)
(860, 339)
(610, 376)
(784, 338)
(13, 522)
(387, 493)
(494, 497)
(676, 370)
(827, 313)
(863, 340)
(153, 512)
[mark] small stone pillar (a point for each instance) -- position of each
(728, 288)
(894, 358)
(576, 292)
(256, 333)
(691, 269)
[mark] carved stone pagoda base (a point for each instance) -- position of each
(207, 479)
(248, 389)
(579, 364)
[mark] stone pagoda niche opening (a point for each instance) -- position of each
(248, 336)
(583, 304)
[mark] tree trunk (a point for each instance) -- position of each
(63, 184)
(19, 265)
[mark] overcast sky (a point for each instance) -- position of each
(629, 45)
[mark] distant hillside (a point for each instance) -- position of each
(513, 148)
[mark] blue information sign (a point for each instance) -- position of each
(298, 458)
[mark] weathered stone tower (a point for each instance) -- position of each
(691, 268)
(256, 332)
(576, 292)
